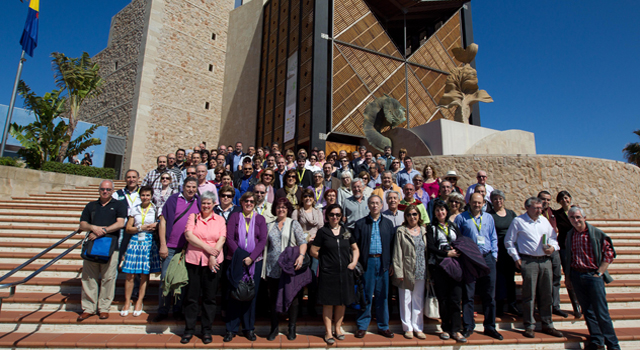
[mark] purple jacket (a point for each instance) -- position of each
(232, 235)
(470, 265)
(291, 281)
(169, 211)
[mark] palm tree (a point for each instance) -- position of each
(80, 79)
(43, 138)
(632, 151)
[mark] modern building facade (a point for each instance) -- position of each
(321, 62)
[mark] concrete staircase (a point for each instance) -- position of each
(43, 311)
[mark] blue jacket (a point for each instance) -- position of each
(362, 235)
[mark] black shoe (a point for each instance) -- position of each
(186, 338)
(206, 338)
(274, 333)
(492, 333)
(553, 332)
(178, 316)
(467, 333)
(160, 317)
(292, 333)
(513, 309)
(529, 333)
(228, 337)
(250, 335)
(560, 313)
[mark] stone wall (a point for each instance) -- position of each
(20, 182)
(176, 82)
(119, 68)
(604, 188)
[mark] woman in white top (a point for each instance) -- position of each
(142, 253)
(160, 197)
(344, 191)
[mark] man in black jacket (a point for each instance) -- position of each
(374, 236)
(305, 176)
(248, 180)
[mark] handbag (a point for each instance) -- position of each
(246, 290)
(431, 309)
(99, 250)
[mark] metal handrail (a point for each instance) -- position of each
(12, 285)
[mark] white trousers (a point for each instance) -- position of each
(412, 307)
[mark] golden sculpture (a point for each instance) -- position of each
(461, 88)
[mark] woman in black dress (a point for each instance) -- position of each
(564, 226)
(338, 253)
(505, 266)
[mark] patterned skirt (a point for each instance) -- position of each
(142, 256)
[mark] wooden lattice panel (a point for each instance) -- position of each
(450, 34)
(373, 69)
(368, 33)
(304, 126)
(348, 12)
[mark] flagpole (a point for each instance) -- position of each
(5, 134)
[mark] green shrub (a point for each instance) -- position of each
(74, 169)
(8, 161)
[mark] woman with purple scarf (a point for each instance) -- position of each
(247, 234)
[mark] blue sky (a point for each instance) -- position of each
(564, 70)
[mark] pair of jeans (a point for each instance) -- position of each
(164, 303)
(376, 282)
(589, 289)
(486, 288)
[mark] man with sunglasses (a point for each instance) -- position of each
(104, 217)
(452, 177)
(481, 176)
(248, 179)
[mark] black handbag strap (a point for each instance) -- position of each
(184, 212)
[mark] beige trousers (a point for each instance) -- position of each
(91, 294)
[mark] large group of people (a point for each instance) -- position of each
(345, 232)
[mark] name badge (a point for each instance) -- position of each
(480, 240)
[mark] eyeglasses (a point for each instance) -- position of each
(106, 189)
(191, 173)
(220, 173)
(172, 158)
(226, 196)
(418, 180)
(248, 201)
(413, 214)
(259, 192)
(481, 176)
(335, 215)
(395, 162)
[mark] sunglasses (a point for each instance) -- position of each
(307, 196)
(220, 173)
(259, 192)
(269, 175)
(291, 177)
(226, 196)
(335, 215)
(165, 178)
(248, 201)
(413, 214)
(481, 177)
(106, 189)
(191, 173)
(247, 169)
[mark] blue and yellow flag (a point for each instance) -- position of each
(29, 39)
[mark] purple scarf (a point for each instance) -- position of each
(247, 240)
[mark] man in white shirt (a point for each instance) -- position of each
(481, 176)
(530, 241)
(262, 207)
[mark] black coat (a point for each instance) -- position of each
(362, 234)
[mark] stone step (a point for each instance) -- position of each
(49, 201)
(65, 321)
(7, 211)
(40, 206)
(513, 340)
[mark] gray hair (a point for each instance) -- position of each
(387, 172)
(455, 196)
(372, 197)
(109, 181)
(496, 193)
(396, 192)
(201, 165)
(208, 195)
(576, 208)
(318, 172)
(356, 180)
(531, 201)
(345, 173)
